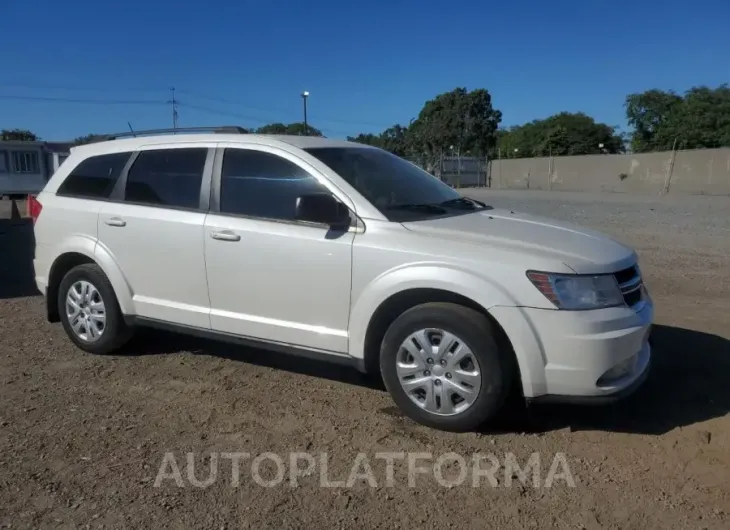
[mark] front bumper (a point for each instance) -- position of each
(602, 399)
(584, 356)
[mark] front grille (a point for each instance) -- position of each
(630, 282)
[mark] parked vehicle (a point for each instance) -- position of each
(342, 251)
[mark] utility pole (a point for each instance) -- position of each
(174, 103)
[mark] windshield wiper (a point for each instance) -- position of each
(464, 201)
(434, 208)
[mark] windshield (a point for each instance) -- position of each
(399, 189)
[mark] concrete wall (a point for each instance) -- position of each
(705, 171)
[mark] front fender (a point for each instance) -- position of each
(441, 276)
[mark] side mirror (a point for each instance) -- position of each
(322, 208)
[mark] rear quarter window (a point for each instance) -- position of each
(95, 177)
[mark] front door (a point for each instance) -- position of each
(271, 277)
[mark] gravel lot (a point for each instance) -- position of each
(82, 438)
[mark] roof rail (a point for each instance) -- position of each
(229, 129)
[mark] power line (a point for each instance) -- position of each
(238, 104)
(176, 104)
(248, 118)
(84, 88)
(223, 112)
(150, 89)
(84, 100)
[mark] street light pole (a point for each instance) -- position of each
(305, 95)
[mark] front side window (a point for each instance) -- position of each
(95, 177)
(167, 177)
(399, 189)
(259, 184)
(3, 161)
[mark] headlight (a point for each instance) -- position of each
(575, 292)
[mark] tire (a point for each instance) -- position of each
(115, 332)
(490, 383)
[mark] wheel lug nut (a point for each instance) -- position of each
(426, 373)
(448, 375)
(437, 382)
(443, 362)
(429, 360)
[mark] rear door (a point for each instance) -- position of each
(153, 228)
(74, 207)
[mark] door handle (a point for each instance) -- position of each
(225, 235)
(115, 221)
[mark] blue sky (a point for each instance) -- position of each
(367, 65)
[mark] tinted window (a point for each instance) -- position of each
(94, 177)
(167, 177)
(386, 180)
(260, 184)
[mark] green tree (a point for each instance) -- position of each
(653, 116)
(462, 119)
(560, 135)
(661, 120)
(367, 139)
(396, 139)
(88, 139)
(21, 135)
(296, 129)
(702, 121)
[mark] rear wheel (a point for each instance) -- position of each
(443, 367)
(90, 311)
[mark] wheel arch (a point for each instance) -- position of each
(396, 304)
(79, 255)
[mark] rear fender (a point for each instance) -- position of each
(97, 253)
(122, 289)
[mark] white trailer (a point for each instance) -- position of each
(25, 167)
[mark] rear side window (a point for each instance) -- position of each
(95, 177)
(258, 184)
(167, 177)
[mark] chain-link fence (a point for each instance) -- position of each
(457, 171)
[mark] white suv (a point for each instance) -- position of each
(342, 250)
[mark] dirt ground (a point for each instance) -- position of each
(83, 438)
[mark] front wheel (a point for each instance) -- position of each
(90, 312)
(443, 367)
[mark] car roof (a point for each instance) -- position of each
(301, 142)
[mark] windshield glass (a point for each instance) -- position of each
(399, 189)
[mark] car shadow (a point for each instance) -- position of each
(17, 247)
(687, 385)
(149, 341)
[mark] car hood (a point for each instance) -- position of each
(582, 250)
